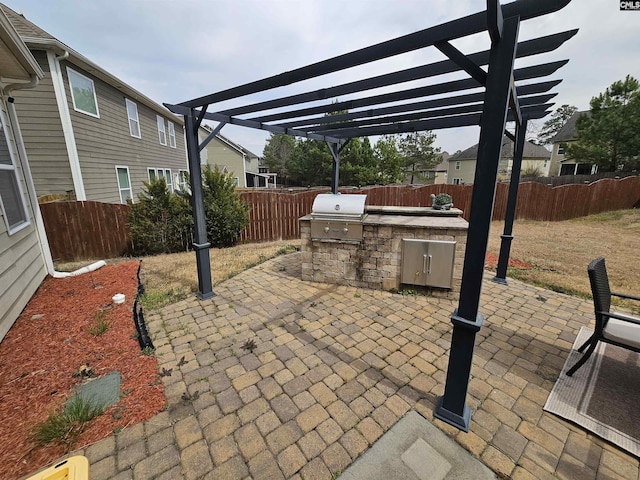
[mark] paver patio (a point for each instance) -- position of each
(336, 367)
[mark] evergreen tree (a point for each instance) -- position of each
(609, 137)
(277, 152)
(419, 154)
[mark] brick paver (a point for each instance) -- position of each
(336, 367)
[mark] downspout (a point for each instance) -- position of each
(31, 189)
(65, 118)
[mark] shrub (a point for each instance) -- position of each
(227, 215)
(161, 221)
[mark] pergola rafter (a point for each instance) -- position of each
(454, 103)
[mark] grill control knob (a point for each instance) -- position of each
(345, 230)
(326, 229)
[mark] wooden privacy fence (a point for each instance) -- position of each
(84, 230)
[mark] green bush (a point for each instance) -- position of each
(161, 221)
(227, 215)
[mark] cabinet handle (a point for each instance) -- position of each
(424, 263)
(429, 265)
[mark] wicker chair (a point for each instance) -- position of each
(619, 329)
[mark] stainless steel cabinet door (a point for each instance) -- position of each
(427, 262)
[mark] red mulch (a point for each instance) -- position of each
(491, 262)
(38, 357)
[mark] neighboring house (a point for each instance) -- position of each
(234, 159)
(430, 176)
(462, 165)
(90, 136)
(24, 251)
(560, 165)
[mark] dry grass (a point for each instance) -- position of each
(558, 251)
(173, 276)
(561, 251)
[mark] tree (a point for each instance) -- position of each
(419, 153)
(227, 215)
(555, 123)
(389, 160)
(277, 152)
(310, 163)
(608, 137)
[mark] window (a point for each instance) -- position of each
(183, 180)
(83, 93)
(124, 184)
(560, 149)
(458, 164)
(457, 181)
(172, 134)
(155, 173)
(134, 123)
(236, 181)
(12, 202)
(162, 135)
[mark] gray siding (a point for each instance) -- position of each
(105, 142)
(22, 267)
(42, 132)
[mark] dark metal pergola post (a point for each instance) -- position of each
(451, 407)
(335, 169)
(510, 214)
(200, 244)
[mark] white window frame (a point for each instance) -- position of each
(560, 149)
(70, 72)
(458, 165)
(182, 179)
(236, 181)
(149, 172)
(136, 119)
(167, 178)
(120, 189)
(21, 201)
(162, 133)
(457, 181)
(172, 134)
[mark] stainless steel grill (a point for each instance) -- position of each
(337, 217)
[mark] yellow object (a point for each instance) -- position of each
(73, 468)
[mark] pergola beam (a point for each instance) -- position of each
(461, 27)
(527, 48)
(525, 73)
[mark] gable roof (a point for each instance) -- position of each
(531, 150)
(37, 39)
(236, 146)
(16, 61)
(569, 131)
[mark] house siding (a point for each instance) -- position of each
(102, 143)
(22, 266)
(42, 133)
(221, 154)
(467, 171)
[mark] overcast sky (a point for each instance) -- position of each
(173, 51)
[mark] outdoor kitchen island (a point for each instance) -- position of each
(398, 247)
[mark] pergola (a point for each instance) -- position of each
(508, 94)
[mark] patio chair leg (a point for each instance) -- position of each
(583, 359)
(587, 342)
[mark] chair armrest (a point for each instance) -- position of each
(620, 316)
(624, 295)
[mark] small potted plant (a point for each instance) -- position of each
(442, 201)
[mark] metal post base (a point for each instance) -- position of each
(460, 422)
(205, 296)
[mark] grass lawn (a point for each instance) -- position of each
(561, 251)
(558, 251)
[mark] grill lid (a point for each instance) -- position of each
(339, 206)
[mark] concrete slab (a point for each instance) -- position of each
(414, 449)
(103, 391)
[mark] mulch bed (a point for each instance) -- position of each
(48, 344)
(491, 262)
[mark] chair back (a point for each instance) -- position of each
(599, 288)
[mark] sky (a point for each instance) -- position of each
(176, 50)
